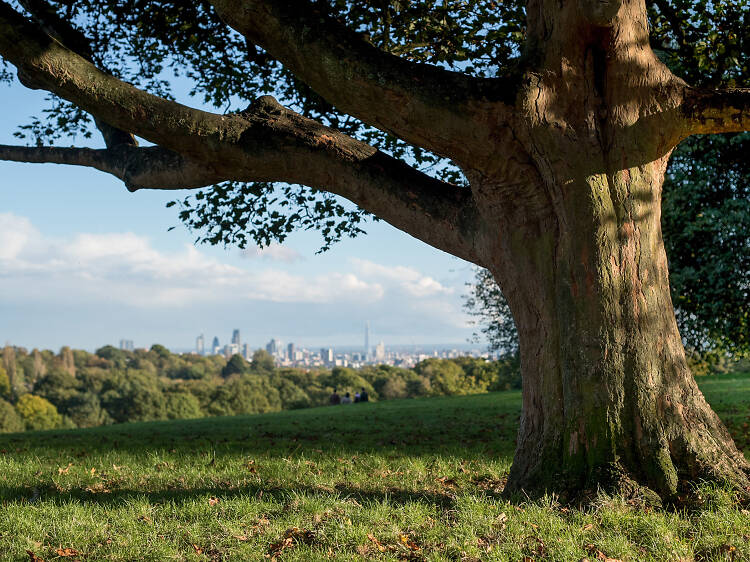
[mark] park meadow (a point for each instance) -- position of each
(417, 479)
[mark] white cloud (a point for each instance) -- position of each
(125, 267)
(407, 279)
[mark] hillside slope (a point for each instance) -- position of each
(410, 479)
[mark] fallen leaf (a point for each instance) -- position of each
(197, 549)
(64, 470)
(213, 501)
(376, 542)
(33, 557)
(67, 552)
(588, 526)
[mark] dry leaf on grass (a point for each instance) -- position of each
(67, 552)
(33, 557)
(212, 501)
(376, 542)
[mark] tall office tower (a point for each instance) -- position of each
(215, 346)
(236, 337)
(126, 345)
(290, 352)
(247, 352)
(200, 345)
(272, 347)
(326, 354)
(367, 340)
(380, 351)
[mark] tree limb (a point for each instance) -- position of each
(67, 34)
(266, 142)
(137, 167)
(413, 101)
(715, 111)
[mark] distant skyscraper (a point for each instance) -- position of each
(273, 347)
(126, 345)
(290, 352)
(236, 337)
(326, 354)
(215, 348)
(367, 340)
(380, 351)
(247, 352)
(200, 345)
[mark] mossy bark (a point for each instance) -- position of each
(608, 398)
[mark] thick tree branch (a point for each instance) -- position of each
(280, 145)
(67, 34)
(716, 111)
(425, 105)
(266, 142)
(53, 67)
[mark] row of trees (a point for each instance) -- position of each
(43, 390)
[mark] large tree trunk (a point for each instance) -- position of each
(608, 399)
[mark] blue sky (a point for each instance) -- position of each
(85, 263)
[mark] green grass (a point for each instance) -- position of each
(400, 480)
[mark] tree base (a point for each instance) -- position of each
(613, 479)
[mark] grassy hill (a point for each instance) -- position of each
(399, 480)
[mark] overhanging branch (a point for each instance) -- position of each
(266, 142)
(75, 40)
(138, 168)
(425, 105)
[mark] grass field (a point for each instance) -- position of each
(399, 480)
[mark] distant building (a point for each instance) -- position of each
(247, 353)
(380, 352)
(200, 346)
(231, 349)
(215, 347)
(236, 337)
(290, 352)
(326, 354)
(274, 347)
(127, 345)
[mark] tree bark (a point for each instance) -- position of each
(608, 399)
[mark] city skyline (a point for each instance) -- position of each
(86, 263)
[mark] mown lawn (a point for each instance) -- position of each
(400, 480)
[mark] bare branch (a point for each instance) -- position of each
(716, 111)
(138, 168)
(412, 101)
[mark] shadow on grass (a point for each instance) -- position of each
(257, 491)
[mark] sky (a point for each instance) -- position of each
(85, 263)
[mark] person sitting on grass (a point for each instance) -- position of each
(347, 399)
(335, 399)
(363, 396)
(356, 397)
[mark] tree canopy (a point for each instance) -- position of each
(170, 48)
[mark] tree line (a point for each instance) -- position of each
(75, 388)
